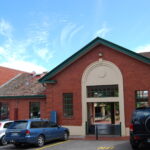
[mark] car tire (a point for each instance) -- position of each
(3, 141)
(147, 124)
(135, 146)
(65, 136)
(40, 141)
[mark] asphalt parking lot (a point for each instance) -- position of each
(76, 145)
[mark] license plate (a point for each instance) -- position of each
(148, 140)
(14, 134)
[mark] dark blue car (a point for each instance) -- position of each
(35, 131)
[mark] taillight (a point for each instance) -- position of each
(27, 132)
(131, 127)
(136, 138)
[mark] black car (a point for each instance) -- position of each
(140, 128)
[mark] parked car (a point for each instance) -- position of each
(3, 127)
(140, 128)
(35, 131)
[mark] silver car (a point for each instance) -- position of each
(3, 127)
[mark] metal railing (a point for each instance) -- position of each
(107, 129)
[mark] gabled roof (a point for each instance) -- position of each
(86, 49)
(146, 54)
(7, 74)
(24, 84)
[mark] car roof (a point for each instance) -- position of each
(36, 119)
(143, 108)
(3, 121)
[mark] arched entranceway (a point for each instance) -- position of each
(97, 78)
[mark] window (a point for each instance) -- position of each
(45, 124)
(6, 125)
(34, 109)
(36, 124)
(68, 104)
(19, 125)
(53, 125)
(102, 91)
(4, 112)
(141, 98)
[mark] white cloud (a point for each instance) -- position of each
(2, 51)
(68, 32)
(19, 54)
(39, 33)
(145, 48)
(45, 54)
(102, 31)
(5, 29)
(75, 31)
(24, 66)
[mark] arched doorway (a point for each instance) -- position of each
(97, 78)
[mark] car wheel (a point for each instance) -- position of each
(3, 141)
(40, 141)
(66, 136)
(134, 145)
(147, 124)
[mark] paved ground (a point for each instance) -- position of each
(77, 145)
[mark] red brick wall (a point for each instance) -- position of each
(135, 77)
(23, 107)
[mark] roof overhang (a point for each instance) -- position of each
(23, 97)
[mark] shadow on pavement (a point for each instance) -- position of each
(127, 146)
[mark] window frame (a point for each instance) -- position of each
(30, 104)
(141, 99)
(102, 91)
(70, 106)
(7, 114)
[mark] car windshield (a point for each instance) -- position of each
(18, 125)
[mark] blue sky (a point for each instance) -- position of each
(37, 35)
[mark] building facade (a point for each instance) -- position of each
(22, 97)
(101, 84)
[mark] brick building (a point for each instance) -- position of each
(22, 97)
(102, 83)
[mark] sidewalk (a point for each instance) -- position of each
(103, 138)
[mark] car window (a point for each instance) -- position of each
(53, 124)
(6, 125)
(36, 124)
(45, 124)
(18, 125)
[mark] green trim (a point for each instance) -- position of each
(86, 49)
(24, 96)
(51, 81)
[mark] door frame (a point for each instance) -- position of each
(119, 80)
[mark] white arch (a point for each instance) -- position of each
(102, 72)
